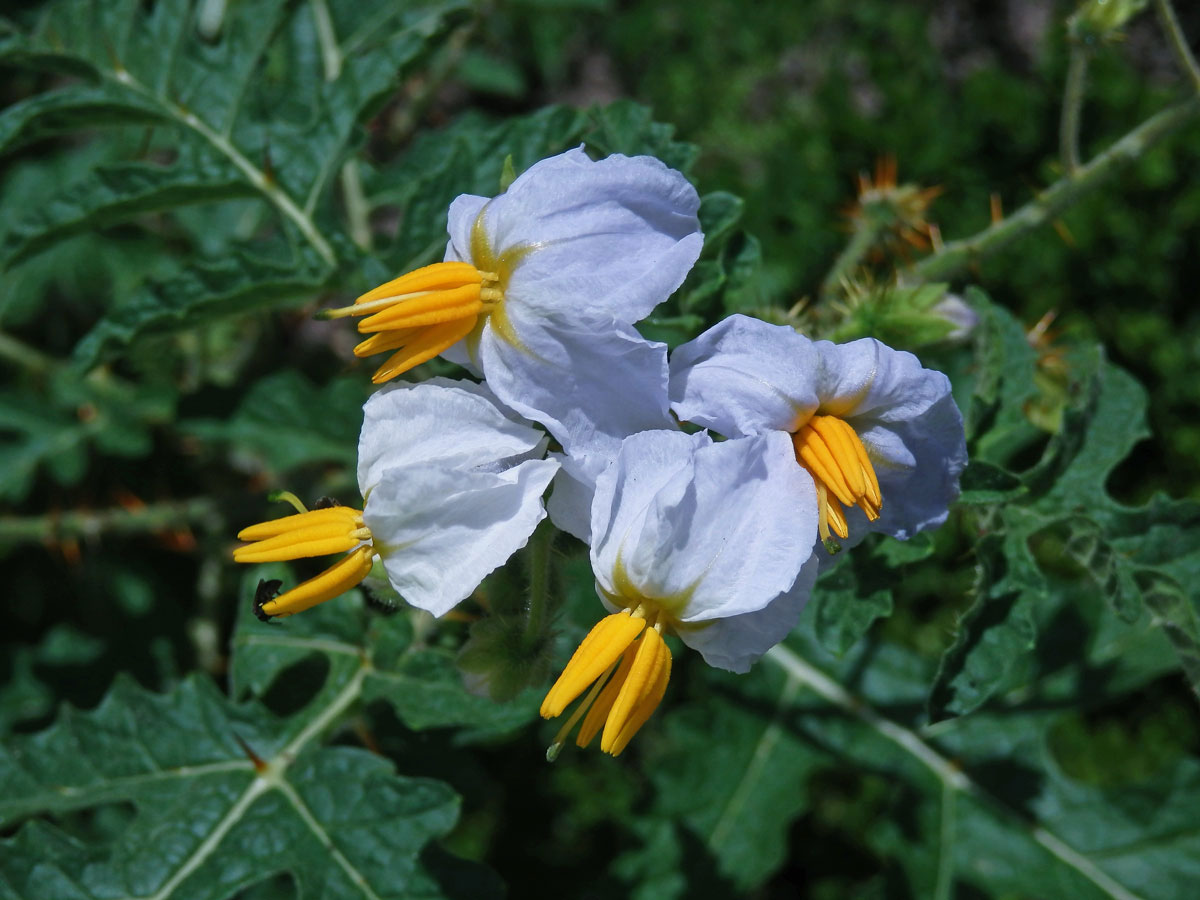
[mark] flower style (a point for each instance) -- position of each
(879, 436)
(452, 488)
(539, 291)
(703, 539)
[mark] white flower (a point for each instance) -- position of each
(452, 488)
(702, 539)
(877, 433)
(539, 293)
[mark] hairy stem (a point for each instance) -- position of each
(117, 520)
(957, 256)
(1179, 44)
(1072, 107)
(540, 544)
(865, 234)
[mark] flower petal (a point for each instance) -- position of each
(866, 378)
(455, 423)
(590, 381)
(570, 503)
(736, 642)
(907, 420)
(619, 235)
(745, 376)
(917, 496)
(440, 531)
(704, 530)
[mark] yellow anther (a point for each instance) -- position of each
(640, 694)
(602, 647)
(832, 452)
(333, 582)
(318, 532)
(423, 313)
(308, 519)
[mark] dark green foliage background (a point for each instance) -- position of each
(1004, 708)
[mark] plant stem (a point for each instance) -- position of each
(1179, 44)
(540, 544)
(117, 520)
(865, 234)
(357, 211)
(22, 354)
(957, 256)
(1072, 106)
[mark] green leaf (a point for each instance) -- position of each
(25, 696)
(982, 482)
(845, 609)
(997, 632)
(52, 424)
(402, 667)
(114, 193)
(225, 795)
(203, 293)
(996, 422)
(1179, 615)
(268, 105)
(738, 793)
(629, 128)
(285, 421)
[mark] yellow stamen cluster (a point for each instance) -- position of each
(627, 665)
(319, 532)
(421, 314)
(834, 455)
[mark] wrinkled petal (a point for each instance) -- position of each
(868, 379)
(705, 530)
(735, 643)
(917, 496)
(455, 423)
(614, 237)
(591, 382)
(907, 420)
(439, 531)
(745, 376)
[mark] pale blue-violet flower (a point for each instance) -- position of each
(452, 485)
(879, 436)
(705, 540)
(539, 292)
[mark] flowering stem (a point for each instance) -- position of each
(540, 544)
(957, 256)
(118, 520)
(1179, 44)
(865, 234)
(1072, 106)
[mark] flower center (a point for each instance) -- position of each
(627, 664)
(317, 532)
(429, 310)
(832, 453)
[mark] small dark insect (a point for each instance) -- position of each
(325, 503)
(265, 592)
